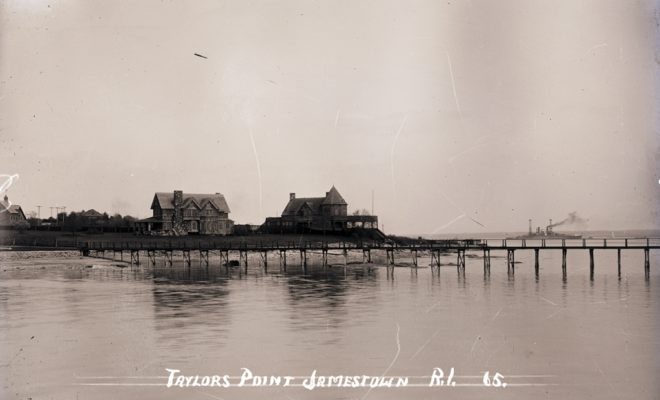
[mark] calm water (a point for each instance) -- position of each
(72, 332)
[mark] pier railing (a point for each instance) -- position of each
(306, 244)
(468, 244)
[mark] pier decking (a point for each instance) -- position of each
(436, 249)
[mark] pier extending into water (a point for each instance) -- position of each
(438, 250)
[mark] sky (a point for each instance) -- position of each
(470, 116)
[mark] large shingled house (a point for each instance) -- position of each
(187, 213)
(327, 213)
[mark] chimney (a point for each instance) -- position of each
(549, 229)
(178, 212)
(178, 198)
(292, 196)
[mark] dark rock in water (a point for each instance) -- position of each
(120, 265)
(233, 263)
(89, 266)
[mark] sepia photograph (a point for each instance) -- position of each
(329, 199)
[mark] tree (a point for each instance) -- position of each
(72, 222)
(61, 217)
(363, 211)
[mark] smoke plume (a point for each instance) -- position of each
(572, 219)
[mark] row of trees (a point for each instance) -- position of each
(80, 221)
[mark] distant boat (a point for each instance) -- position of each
(545, 235)
(548, 233)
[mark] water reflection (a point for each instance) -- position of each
(320, 299)
(191, 275)
(190, 305)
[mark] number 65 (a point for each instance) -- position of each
(495, 381)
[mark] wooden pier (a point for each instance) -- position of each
(206, 249)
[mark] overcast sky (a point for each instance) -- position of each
(455, 114)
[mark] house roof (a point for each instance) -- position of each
(6, 206)
(12, 209)
(332, 197)
(314, 203)
(166, 201)
(91, 213)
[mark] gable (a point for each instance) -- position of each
(155, 203)
(305, 208)
(294, 205)
(190, 203)
(165, 201)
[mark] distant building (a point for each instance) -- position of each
(12, 215)
(91, 214)
(186, 213)
(91, 220)
(328, 213)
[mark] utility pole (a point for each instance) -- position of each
(372, 202)
(39, 212)
(51, 211)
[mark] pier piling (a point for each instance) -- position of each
(366, 256)
(243, 259)
(487, 262)
(283, 260)
(224, 259)
(390, 256)
(303, 259)
(135, 257)
(265, 259)
(460, 261)
(536, 262)
(510, 260)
